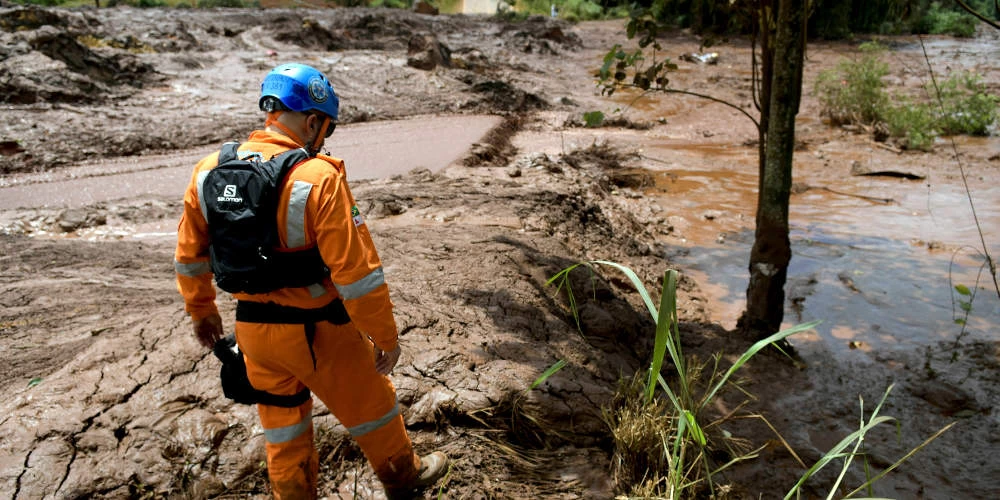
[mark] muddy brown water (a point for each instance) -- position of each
(879, 275)
(370, 150)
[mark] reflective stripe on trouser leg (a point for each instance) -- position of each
(363, 400)
(396, 467)
(277, 357)
(292, 460)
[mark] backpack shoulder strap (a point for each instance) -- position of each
(284, 162)
(228, 152)
(290, 158)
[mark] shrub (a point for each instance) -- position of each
(391, 4)
(966, 106)
(593, 119)
(940, 21)
(568, 9)
(912, 122)
(853, 92)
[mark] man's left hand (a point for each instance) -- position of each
(208, 330)
(385, 361)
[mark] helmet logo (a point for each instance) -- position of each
(317, 90)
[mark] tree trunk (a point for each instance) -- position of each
(771, 251)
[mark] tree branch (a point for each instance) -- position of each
(710, 98)
(981, 17)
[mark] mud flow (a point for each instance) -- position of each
(875, 257)
(468, 157)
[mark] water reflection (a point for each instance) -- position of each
(862, 267)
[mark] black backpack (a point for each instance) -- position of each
(241, 206)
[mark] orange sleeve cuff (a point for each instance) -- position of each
(372, 314)
(199, 295)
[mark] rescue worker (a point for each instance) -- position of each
(347, 365)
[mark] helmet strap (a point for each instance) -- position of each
(320, 136)
(272, 121)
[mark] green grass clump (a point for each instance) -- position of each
(663, 436)
(665, 444)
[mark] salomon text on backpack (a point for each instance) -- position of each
(240, 203)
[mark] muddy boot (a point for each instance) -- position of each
(432, 468)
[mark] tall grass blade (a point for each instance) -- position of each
(901, 460)
(695, 430)
(854, 453)
(666, 320)
(670, 393)
(668, 314)
(754, 349)
(558, 365)
(836, 452)
(635, 282)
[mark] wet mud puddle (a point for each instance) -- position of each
(875, 257)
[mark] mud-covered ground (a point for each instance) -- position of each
(107, 395)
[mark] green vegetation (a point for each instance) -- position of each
(913, 124)
(854, 92)
(574, 10)
(940, 20)
(828, 19)
(663, 440)
(177, 4)
(856, 441)
(666, 446)
(967, 106)
(593, 119)
(392, 4)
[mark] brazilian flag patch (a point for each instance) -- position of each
(356, 215)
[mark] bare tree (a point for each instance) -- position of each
(780, 33)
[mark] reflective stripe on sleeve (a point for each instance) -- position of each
(361, 287)
(365, 428)
(317, 290)
(193, 269)
(289, 432)
(201, 193)
(295, 227)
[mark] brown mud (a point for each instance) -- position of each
(106, 394)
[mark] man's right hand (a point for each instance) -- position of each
(208, 330)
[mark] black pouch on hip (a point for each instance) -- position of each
(236, 385)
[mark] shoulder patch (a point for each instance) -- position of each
(356, 215)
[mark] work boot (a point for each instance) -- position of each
(432, 468)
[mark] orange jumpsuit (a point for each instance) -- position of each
(316, 208)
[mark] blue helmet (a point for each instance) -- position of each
(298, 87)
